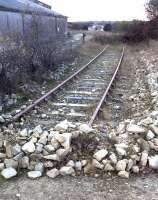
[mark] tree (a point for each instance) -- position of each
(107, 27)
(152, 9)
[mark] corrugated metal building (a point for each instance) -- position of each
(29, 19)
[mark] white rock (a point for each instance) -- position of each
(34, 174)
(150, 135)
(54, 157)
(2, 120)
(16, 149)
(146, 121)
(67, 140)
(25, 162)
(55, 143)
(135, 169)
(43, 140)
(23, 133)
(123, 174)
(43, 116)
(133, 128)
(121, 128)
(121, 165)
(78, 166)
(39, 167)
(2, 155)
(121, 152)
(38, 130)
(99, 155)
(154, 129)
(113, 158)
(130, 164)
(62, 126)
(144, 159)
(75, 134)
(67, 171)
(1, 166)
(39, 148)
(108, 167)
(62, 152)
(85, 128)
(97, 164)
(8, 173)
(153, 162)
(53, 173)
(71, 163)
(49, 148)
(121, 145)
(28, 147)
(84, 162)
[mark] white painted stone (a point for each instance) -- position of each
(53, 173)
(28, 147)
(34, 174)
(8, 173)
(99, 155)
(67, 171)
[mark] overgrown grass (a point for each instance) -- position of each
(107, 38)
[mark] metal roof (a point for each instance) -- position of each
(27, 6)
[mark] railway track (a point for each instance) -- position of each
(80, 97)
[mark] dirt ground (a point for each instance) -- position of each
(82, 188)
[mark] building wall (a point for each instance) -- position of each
(29, 26)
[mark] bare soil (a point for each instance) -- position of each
(82, 188)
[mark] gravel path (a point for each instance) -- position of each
(83, 188)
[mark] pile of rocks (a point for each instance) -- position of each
(129, 149)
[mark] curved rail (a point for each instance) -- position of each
(38, 101)
(107, 90)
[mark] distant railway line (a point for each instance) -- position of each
(79, 98)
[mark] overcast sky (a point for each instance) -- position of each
(108, 10)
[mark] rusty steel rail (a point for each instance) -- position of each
(38, 101)
(107, 90)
